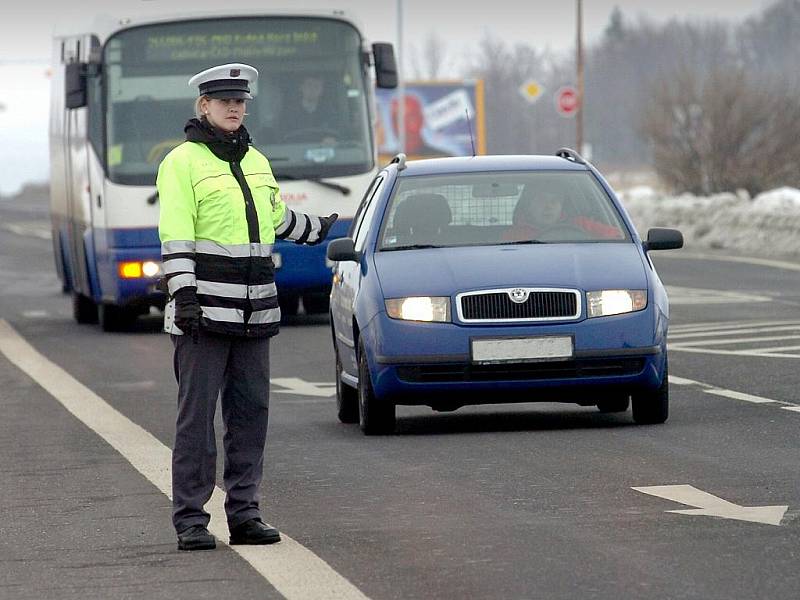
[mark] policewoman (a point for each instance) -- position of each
(221, 211)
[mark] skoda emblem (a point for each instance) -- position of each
(518, 295)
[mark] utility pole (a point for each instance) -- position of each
(579, 64)
(401, 84)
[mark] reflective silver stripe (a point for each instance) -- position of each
(228, 315)
(223, 290)
(260, 317)
(178, 265)
(181, 281)
(281, 229)
(176, 246)
(316, 227)
(299, 227)
(236, 290)
(233, 250)
(258, 292)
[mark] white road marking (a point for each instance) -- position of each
(34, 314)
(674, 379)
(749, 336)
(730, 331)
(295, 385)
(739, 396)
(764, 262)
(36, 232)
(725, 393)
(295, 571)
(708, 505)
(685, 295)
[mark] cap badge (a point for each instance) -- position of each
(235, 72)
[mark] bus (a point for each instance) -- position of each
(119, 101)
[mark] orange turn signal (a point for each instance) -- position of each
(130, 270)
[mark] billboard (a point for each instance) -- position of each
(435, 119)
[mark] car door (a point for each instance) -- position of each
(347, 278)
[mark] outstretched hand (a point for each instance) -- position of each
(326, 224)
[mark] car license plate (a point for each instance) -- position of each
(550, 347)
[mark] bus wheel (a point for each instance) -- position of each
(83, 309)
(316, 303)
(289, 304)
(115, 318)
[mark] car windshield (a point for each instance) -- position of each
(477, 209)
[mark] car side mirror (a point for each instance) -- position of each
(342, 249)
(663, 239)
(385, 65)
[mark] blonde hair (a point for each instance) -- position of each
(198, 112)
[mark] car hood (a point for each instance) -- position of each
(445, 271)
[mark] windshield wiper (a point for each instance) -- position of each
(411, 247)
(328, 184)
(521, 242)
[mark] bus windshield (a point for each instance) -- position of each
(309, 114)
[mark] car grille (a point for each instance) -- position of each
(572, 369)
(540, 304)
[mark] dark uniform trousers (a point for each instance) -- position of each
(235, 370)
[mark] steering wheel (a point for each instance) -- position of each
(564, 232)
(309, 134)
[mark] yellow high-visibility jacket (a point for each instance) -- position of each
(218, 223)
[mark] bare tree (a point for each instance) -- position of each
(723, 131)
(432, 63)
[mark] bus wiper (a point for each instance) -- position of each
(411, 247)
(328, 184)
(521, 242)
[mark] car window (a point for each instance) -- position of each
(360, 210)
(369, 210)
(500, 207)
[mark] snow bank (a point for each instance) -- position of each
(768, 224)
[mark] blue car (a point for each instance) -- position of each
(496, 279)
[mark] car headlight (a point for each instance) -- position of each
(603, 303)
(419, 308)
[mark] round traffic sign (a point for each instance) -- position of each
(567, 102)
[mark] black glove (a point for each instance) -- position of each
(188, 312)
(326, 224)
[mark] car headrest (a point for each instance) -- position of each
(422, 213)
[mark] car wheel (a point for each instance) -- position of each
(84, 310)
(650, 408)
(346, 397)
(374, 416)
(613, 405)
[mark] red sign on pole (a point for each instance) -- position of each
(567, 103)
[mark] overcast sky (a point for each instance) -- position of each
(26, 26)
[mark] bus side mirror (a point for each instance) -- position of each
(385, 65)
(75, 85)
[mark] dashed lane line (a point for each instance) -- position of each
(734, 395)
(292, 569)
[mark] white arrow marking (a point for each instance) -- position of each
(709, 505)
(297, 386)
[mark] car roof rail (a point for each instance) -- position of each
(570, 154)
(400, 159)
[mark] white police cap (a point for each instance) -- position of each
(226, 81)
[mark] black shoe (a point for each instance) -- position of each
(254, 532)
(196, 537)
